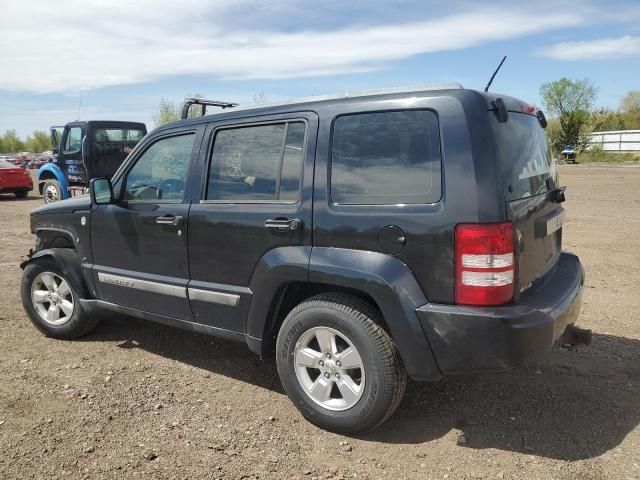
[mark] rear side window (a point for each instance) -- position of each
(257, 163)
(386, 158)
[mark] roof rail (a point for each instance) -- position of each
(204, 103)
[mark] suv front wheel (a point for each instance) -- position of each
(52, 303)
(338, 365)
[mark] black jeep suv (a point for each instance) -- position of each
(360, 238)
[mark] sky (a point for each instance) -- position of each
(110, 59)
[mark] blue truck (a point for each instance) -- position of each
(84, 150)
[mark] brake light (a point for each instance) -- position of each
(484, 263)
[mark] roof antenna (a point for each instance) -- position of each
(486, 89)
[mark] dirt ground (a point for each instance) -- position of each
(139, 400)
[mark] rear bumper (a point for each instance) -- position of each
(471, 339)
(27, 187)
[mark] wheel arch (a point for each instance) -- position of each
(381, 280)
(69, 262)
(51, 171)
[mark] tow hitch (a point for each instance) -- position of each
(573, 336)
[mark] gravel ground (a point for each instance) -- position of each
(138, 400)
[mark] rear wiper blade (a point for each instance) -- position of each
(557, 195)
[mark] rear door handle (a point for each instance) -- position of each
(283, 224)
(169, 220)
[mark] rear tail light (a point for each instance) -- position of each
(484, 263)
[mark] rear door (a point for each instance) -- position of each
(255, 197)
(529, 179)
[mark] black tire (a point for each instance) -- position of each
(22, 194)
(79, 322)
(48, 185)
(385, 376)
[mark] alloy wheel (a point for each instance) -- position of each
(329, 368)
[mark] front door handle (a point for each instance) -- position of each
(174, 220)
(283, 224)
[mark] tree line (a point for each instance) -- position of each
(39, 141)
(570, 104)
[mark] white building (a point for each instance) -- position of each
(616, 141)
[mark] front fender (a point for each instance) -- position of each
(69, 262)
(56, 171)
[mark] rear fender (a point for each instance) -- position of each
(385, 279)
(394, 289)
(69, 262)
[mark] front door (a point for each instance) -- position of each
(70, 156)
(139, 243)
(255, 199)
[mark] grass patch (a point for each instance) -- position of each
(598, 156)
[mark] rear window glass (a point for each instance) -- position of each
(118, 135)
(524, 155)
(386, 158)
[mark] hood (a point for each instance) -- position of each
(69, 205)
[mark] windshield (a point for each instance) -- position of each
(524, 156)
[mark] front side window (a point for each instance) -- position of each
(257, 163)
(161, 172)
(74, 140)
(386, 158)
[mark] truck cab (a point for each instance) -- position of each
(85, 150)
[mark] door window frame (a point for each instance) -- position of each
(67, 134)
(119, 179)
(243, 123)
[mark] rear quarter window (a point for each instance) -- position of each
(386, 158)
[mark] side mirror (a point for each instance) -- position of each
(54, 138)
(101, 191)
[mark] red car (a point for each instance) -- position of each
(14, 179)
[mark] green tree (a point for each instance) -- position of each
(11, 141)
(38, 142)
(571, 102)
(630, 108)
(167, 112)
(604, 120)
(630, 102)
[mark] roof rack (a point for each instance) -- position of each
(204, 103)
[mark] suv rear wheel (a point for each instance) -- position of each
(338, 365)
(52, 303)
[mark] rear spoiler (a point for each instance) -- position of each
(204, 103)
